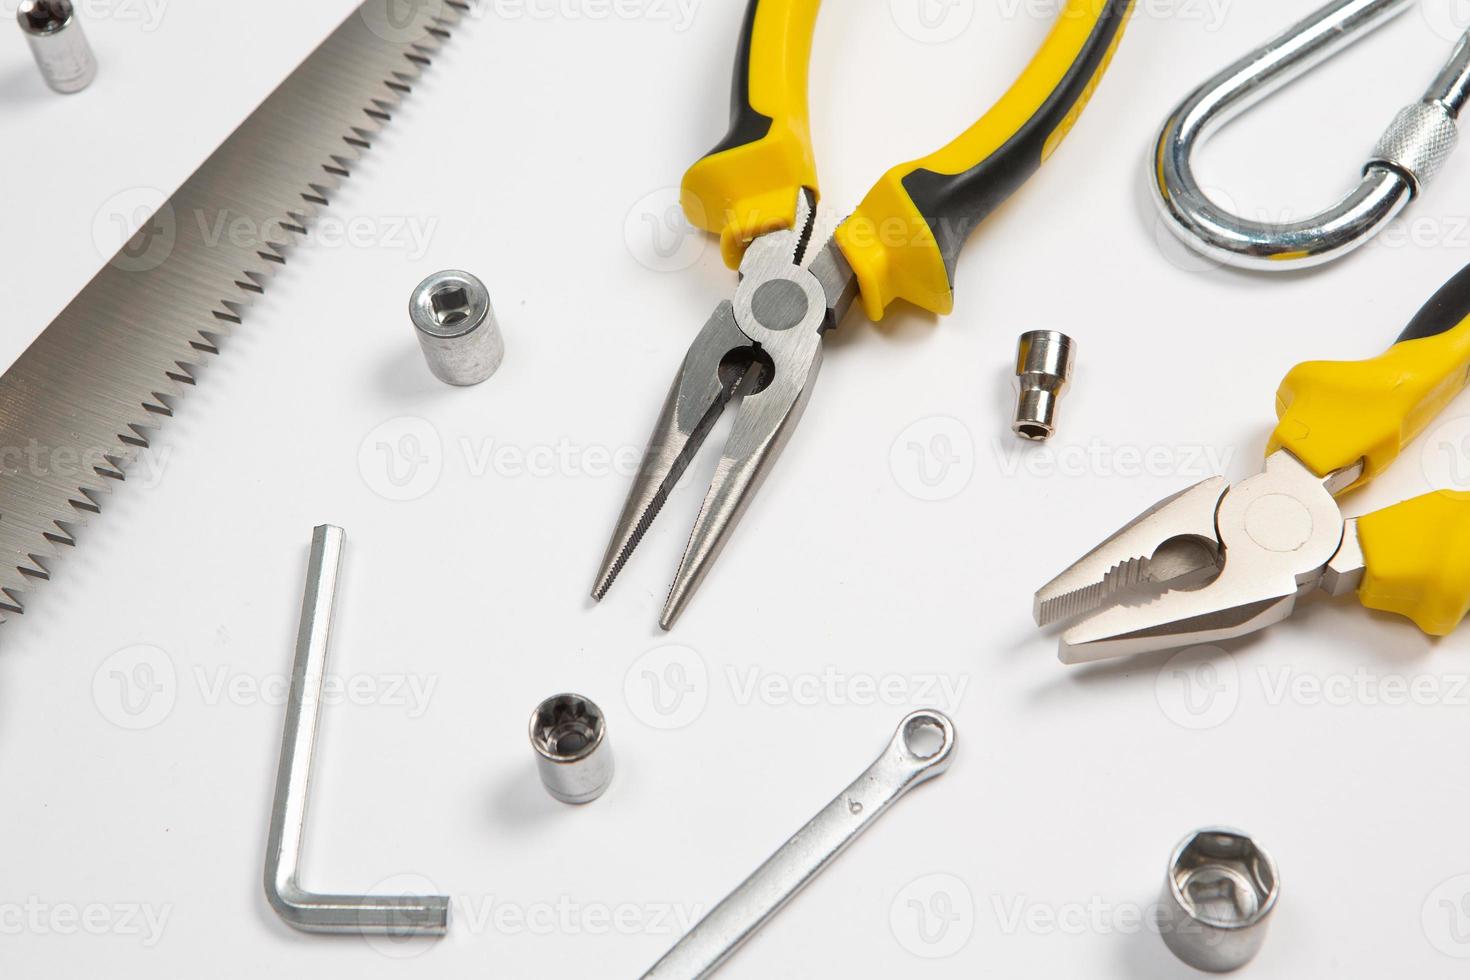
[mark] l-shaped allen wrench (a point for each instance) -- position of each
(365, 915)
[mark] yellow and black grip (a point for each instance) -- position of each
(905, 238)
(748, 184)
(1335, 414)
(1416, 560)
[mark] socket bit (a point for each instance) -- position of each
(569, 734)
(456, 327)
(58, 44)
(1218, 898)
(1043, 371)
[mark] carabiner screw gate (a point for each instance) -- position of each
(1407, 156)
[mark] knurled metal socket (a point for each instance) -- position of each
(1218, 898)
(58, 44)
(456, 327)
(569, 734)
(1043, 371)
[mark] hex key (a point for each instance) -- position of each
(365, 915)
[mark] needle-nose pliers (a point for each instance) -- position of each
(757, 190)
(1231, 560)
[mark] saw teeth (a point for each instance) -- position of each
(90, 383)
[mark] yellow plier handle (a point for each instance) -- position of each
(747, 185)
(904, 240)
(1336, 414)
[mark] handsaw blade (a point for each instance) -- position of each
(83, 400)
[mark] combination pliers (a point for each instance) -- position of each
(1218, 561)
(757, 190)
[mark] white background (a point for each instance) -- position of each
(540, 152)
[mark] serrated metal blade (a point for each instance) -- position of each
(82, 401)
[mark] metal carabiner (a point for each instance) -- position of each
(1408, 155)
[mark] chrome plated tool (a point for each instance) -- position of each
(569, 737)
(1408, 155)
(1044, 363)
(86, 397)
(757, 190)
(58, 44)
(366, 915)
(1217, 561)
(922, 748)
(456, 326)
(1219, 894)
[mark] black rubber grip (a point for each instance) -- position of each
(955, 204)
(746, 125)
(1445, 311)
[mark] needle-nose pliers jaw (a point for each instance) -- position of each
(756, 190)
(763, 349)
(1232, 560)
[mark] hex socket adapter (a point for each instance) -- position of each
(569, 735)
(58, 44)
(456, 327)
(1043, 370)
(1219, 894)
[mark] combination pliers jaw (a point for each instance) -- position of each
(762, 349)
(1212, 563)
(1217, 562)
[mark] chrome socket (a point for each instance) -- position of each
(569, 735)
(1218, 898)
(1043, 370)
(456, 327)
(58, 44)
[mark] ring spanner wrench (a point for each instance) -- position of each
(907, 762)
